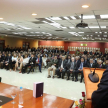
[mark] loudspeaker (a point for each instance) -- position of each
(38, 89)
(0, 79)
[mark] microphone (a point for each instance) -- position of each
(0, 79)
(93, 76)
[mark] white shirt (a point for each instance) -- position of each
(25, 60)
(14, 58)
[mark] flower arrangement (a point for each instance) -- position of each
(81, 103)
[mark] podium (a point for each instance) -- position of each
(90, 86)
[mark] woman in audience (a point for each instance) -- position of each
(44, 59)
(19, 62)
(14, 60)
(24, 63)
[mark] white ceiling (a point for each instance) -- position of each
(18, 12)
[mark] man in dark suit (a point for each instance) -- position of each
(56, 50)
(70, 68)
(100, 96)
(85, 52)
(99, 64)
(31, 63)
(8, 62)
(61, 67)
(77, 64)
(39, 62)
(68, 59)
(91, 64)
(80, 70)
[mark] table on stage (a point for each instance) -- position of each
(90, 86)
(46, 101)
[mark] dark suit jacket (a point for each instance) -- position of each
(98, 66)
(9, 59)
(40, 60)
(100, 96)
(64, 63)
(69, 65)
(93, 65)
(77, 65)
(32, 60)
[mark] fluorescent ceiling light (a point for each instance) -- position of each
(72, 32)
(88, 17)
(64, 27)
(71, 27)
(66, 18)
(103, 26)
(45, 22)
(105, 35)
(85, 6)
(80, 32)
(93, 26)
(100, 32)
(3, 22)
(72, 17)
(104, 16)
(105, 32)
(56, 18)
(96, 32)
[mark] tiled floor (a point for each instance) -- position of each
(59, 87)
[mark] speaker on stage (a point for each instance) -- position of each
(38, 89)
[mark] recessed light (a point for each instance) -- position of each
(5, 35)
(34, 14)
(85, 6)
(1, 18)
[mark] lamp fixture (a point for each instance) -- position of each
(1, 18)
(34, 14)
(85, 6)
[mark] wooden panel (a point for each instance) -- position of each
(46, 101)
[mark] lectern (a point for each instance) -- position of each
(90, 86)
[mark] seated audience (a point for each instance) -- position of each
(53, 67)
(24, 63)
(61, 67)
(19, 62)
(14, 60)
(80, 70)
(39, 62)
(31, 63)
(91, 64)
(44, 59)
(70, 68)
(8, 62)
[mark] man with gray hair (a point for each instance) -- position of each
(61, 67)
(70, 68)
(99, 64)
